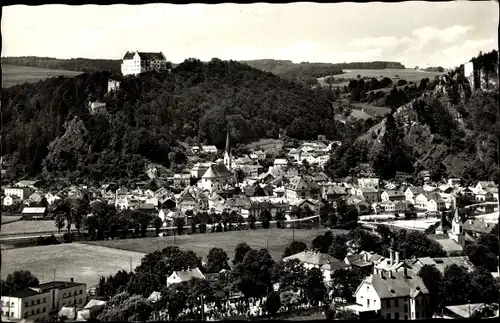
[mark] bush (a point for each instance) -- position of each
(266, 224)
(68, 238)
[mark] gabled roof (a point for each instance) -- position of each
(33, 210)
(415, 190)
(216, 171)
(299, 182)
(145, 56)
(188, 274)
(129, 55)
(312, 257)
(397, 285)
(394, 193)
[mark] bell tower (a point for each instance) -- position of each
(457, 232)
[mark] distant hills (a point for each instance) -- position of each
(283, 68)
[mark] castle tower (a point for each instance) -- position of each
(457, 232)
(228, 159)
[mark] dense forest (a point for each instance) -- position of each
(47, 126)
(442, 126)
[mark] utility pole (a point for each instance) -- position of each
(54, 274)
(130, 264)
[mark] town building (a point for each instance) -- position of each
(21, 192)
(137, 62)
(313, 259)
(302, 187)
(184, 276)
(394, 295)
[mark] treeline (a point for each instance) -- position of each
(85, 65)
(290, 70)
(47, 126)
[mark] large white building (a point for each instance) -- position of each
(138, 62)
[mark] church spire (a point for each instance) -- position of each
(228, 144)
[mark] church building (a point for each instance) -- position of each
(219, 175)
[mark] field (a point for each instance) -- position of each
(408, 74)
(266, 145)
(10, 218)
(13, 74)
(371, 110)
(85, 263)
(29, 226)
(201, 244)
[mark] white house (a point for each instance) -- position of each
(10, 200)
(259, 155)
(395, 295)
(280, 163)
(21, 192)
(139, 62)
(392, 195)
(412, 192)
(209, 149)
(51, 198)
(184, 275)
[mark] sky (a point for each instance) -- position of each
(413, 33)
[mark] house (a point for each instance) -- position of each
(21, 192)
(391, 195)
(439, 263)
(181, 180)
(394, 295)
(25, 304)
(393, 263)
(51, 198)
(186, 201)
(454, 181)
(280, 163)
(113, 85)
(209, 149)
(27, 183)
(184, 275)
(295, 154)
(400, 207)
(483, 185)
(259, 155)
(388, 207)
(333, 191)
(237, 203)
(369, 194)
(35, 197)
(313, 259)
(195, 150)
(454, 241)
(476, 227)
(369, 182)
(199, 169)
(302, 187)
(10, 200)
(97, 107)
(64, 293)
(256, 208)
(34, 213)
(139, 62)
(412, 192)
(430, 202)
(364, 260)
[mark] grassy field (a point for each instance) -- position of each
(13, 74)
(266, 145)
(10, 218)
(201, 244)
(372, 110)
(85, 263)
(408, 74)
(29, 226)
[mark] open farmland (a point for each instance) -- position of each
(14, 74)
(408, 74)
(373, 111)
(20, 227)
(271, 146)
(201, 244)
(85, 263)
(10, 218)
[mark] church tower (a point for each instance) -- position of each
(228, 159)
(457, 232)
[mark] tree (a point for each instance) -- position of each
(265, 218)
(485, 288)
(240, 251)
(280, 217)
(21, 280)
(59, 221)
(158, 222)
(273, 303)
(253, 275)
(179, 224)
(293, 275)
(216, 260)
(452, 290)
(294, 248)
(344, 283)
(432, 279)
(251, 220)
(315, 288)
(327, 215)
(338, 247)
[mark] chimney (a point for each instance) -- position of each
(397, 257)
(72, 280)
(366, 257)
(382, 274)
(390, 274)
(406, 272)
(391, 257)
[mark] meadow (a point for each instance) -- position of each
(408, 74)
(371, 110)
(266, 145)
(14, 74)
(85, 263)
(275, 240)
(10, 218)
(20, 227)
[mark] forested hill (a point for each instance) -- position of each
(85, 65)
(290, 70)
(47, 125)
(443, 126)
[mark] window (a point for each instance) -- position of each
(396, 316)
(11, 313)
(32, 302)
(38, 301)
(396, 302)
(388, 303)
(25, 314)
(388, 316)
(367, 303)
(80, 301)
(44, 309)
(37, 311)
(44, 300)
(32, 312)
(418, 315)
(406, 308)
(26, 304)
(81, 291)
(406, 317)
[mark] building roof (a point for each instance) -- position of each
(21, 293)
(68, 312)
(188, 274)
(450, 245)
(216, 171)
(478, 225)
(394, 193)
(145, 56)
(464, 310)
(396, 284)
(314, 258)
(302, 182)
(440, 263)
(58, 285)
(416, 190)
(33, 210)
(95, 302)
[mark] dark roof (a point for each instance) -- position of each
(20, 293)
(151, 56)
(397, 285)
(129, 55)
(58, 285)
